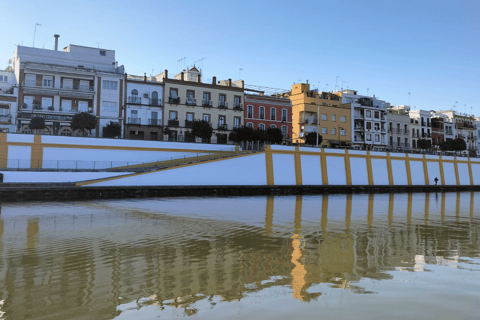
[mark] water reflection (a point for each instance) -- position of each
(99, 259)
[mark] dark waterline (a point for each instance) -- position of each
(363, 256)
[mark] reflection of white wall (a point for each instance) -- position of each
(476, 173)
(416, 169)
(463, 173)
(284, 169)
(311, 170)
(399, 172)
(336, 171)
(449, 173)
(380, 172)
(433, 171)
(358, 167)
(19, 157)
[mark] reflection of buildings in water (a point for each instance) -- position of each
(77, 269)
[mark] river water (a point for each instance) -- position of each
(403, 256)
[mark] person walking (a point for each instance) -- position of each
(436, 180)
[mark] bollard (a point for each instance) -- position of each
(1, 177)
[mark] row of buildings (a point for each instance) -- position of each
(57, 84)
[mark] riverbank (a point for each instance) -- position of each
(69, 192)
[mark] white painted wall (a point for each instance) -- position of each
(311, 170)
(476, 173)
(418, 176)
(463, 173)
(48, 177)
(284, 169)
(399, 172)
(336, 171)
(449, 173)
(380, 172)
(19, 157)
(359, 173)
(433, 171)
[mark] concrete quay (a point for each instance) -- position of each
(69, 192)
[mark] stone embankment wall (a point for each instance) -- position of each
(299, 166)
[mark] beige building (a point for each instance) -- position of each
(187, 99)
(398, 128)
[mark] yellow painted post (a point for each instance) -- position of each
(348, 170)
(3, 150)
(269, 165)
(409, 172)
(36, 158)
(442, 174)
(425, 170)
(369, 169)
(470, 171)
(389, 169)
(323, 164)
(298, 214)
(457, 176)
(348, 213)
(298, 167)
(323, 222)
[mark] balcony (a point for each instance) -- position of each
(173, 100)
(154, 122)
(77, 87)
(134, 100)
(359, 128)
(236, 125)
(449, 132)
(137, 121)
(238, 106)
(358, 116)
(426, 135)
(207, 103)
(155, 102)
(471, 137)
(188, 123)
(222, 126)
(406, 131)
(222, 105)
(399, 131)
(173, 123)
(6, 118)
(191, 102)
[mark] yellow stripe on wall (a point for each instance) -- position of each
(470, 172)
(348, 170)
(425, 170)
(323, 164)
(457, 176)
(409, 172)
(369, 169)
(389, 169)
(3, 150)
(442, 174)
(36, 160)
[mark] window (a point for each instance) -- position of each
(377, 138)
(48, 81)
(66, 105)
(83, 106)
(46, 102)
(324, 130)
(222, 100)
(343, 119)
(190, 116)
(3, 78)
(261, 126)
(273, 114)
(343, 132)
(206, 98)
(84, 85)
(236, 122)
(103, 52)
(109, 106)
(30, 80)
(109, 85)
(369, 137)
(334, 117)
(377, 115)
(134, 114)
(250, 112)
(284, 130)
(250, 125)
(324, 117)
(237, 101)
(206, 117)
(284, 115)
(174, 93)
(262, 113)
(4, 110)
(134, 93)
(273, 126)
(172, 115)
(67, 83)
(190, 97)
(334, 131)
(368, 113)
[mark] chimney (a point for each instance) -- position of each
(214, 80)
(144, 77)
(243, 84)
(165, 75)
(56, 41)
(229, 82)
(181, 75)
(198, 78)
(307, 81)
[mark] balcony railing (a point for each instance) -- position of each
(6, 118)
(30, 83)
(222, 126)
(173, 123)
(238, 106)
(134, 100)
(37, 106)
(188, 123)
(77, 87)
(358, 116)
(406, 131)
(134, 120)
(154, 122)
(173, 100)
(236, 125)
(207, 103)
(399, 131)
(191, 102)
(155, 102)
(449, 132)
(359, 128)
(222, 105)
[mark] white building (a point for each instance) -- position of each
(421, 121)
(55, 85)
(8, 101)
(144, 108)
(398, 125)
(369, 120)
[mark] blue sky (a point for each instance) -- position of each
(428, 48)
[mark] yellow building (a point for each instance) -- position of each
(322, 112)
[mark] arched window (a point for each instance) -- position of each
(155, 100)
(134, 92)
(250, 125)
(273, 114)
(262, 113)
(273, 126)
(261, 126)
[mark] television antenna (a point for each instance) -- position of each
(34, 32)
(240, 73)
(342, 83)
(326, 87)
(409, 97)
(368, 91)
(336, 83)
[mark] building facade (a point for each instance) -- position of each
(187, 99)
(143, 118)
(263, 112)
(55, 85)
(420, 121)
(8, 101)
(463, 127)
(438, 130)
(368, 120)
(398, 128)
(322, 112)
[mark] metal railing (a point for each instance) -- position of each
(222, 126)
(155, 102)
(154, 122)
(134, 120)
(173, 123)
(223, 105)
(134, 99)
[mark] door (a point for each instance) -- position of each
(154, 119)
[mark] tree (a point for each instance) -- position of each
(202, 129)
(244, 134)
(84, 120)
(446, 145)
(459, 145)
(259, 135)
(37, 123)
(112, 130)
(311, 138)
(423, 144)
(274, 135)
(232, 136)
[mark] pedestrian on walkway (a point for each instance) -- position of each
(436, 180)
